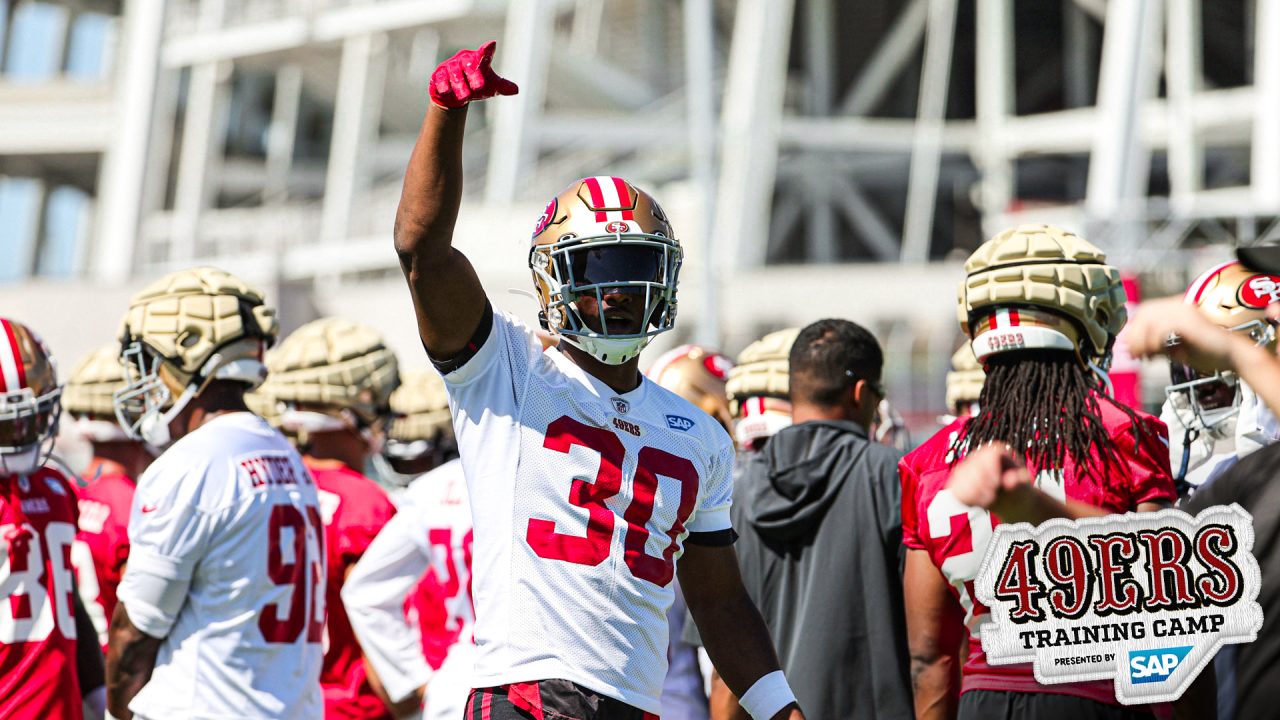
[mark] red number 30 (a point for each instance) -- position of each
(593, 549)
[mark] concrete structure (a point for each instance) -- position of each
(799, 145)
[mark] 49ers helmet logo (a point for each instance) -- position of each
(545, 218)
(1260, 291)
(617, 226)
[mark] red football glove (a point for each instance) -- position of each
(466, 77)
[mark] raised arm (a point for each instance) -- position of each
(446, 293)
(731, 627)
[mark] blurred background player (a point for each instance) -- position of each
(1216, 419)
(964, 385)
(330, 384)
(221, 608)
(758, 389)
(106, 499)
(46, 670)
(817, 509)
(1042, 309)
(698, 375)
(409, 597)
(421, 435)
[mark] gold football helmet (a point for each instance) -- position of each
(30, 400)
(1235, 298)
(697, 375)
(423, 425)
(89, 395)
(1037, 286)
(964, 382)
(759, 389)
(330, 374)
(180, 333)
(604, 236)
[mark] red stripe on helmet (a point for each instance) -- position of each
(1013, 317)
(12, 337)
(597, 197)
(624, 196)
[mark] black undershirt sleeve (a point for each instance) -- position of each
(715, 538)
(444, 367)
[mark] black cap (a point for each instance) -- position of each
(1260, 258)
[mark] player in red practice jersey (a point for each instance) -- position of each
(39, 611)
(1042, 311)
(329, 387)
(102, 545)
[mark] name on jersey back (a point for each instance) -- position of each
(273, 470)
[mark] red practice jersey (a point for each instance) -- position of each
(956, 535)
(37, 619)
(102, 546)
(353, 508)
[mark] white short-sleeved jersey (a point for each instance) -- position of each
(418, 568)
(582, 499)
(228, 517)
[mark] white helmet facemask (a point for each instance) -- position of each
(24, 411)
(145, 405)
(1255, 426)
(642, 265)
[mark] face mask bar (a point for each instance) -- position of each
(145, 394)
(550, 262)
(1201, 390)
(18, 408)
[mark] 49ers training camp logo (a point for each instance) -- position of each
(1146, 599)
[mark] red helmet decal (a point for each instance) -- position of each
(545, 218)
(617, 226)
(718, 365)
(1260, 291)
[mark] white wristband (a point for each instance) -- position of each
(767, 696)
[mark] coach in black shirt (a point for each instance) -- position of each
(818, 511)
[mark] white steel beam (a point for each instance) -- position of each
(124, 164)
(819, 29)
(355, 124)
(892, 55)
(1120, 161)
(700, 97)
(751, 119)
(282, 132)
(995, 88)
(217, 43)
(203, 135)
(876, 233)
(522, 57)
(926, 151)
(1183, 80)
(1265, 160)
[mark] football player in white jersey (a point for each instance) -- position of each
(587, 481)
(221, 608)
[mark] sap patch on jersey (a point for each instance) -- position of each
(1145, 599)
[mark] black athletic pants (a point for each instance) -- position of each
(548, 700)
(997, 705)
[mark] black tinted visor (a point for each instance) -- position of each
(606, 264)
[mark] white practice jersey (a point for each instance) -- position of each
(409, 597)
(582, 499)
(227, 564)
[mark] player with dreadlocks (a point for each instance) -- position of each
(1042, 310)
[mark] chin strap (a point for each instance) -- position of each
(1103, 377)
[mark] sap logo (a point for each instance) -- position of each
(676, 422)
(1148, 666)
